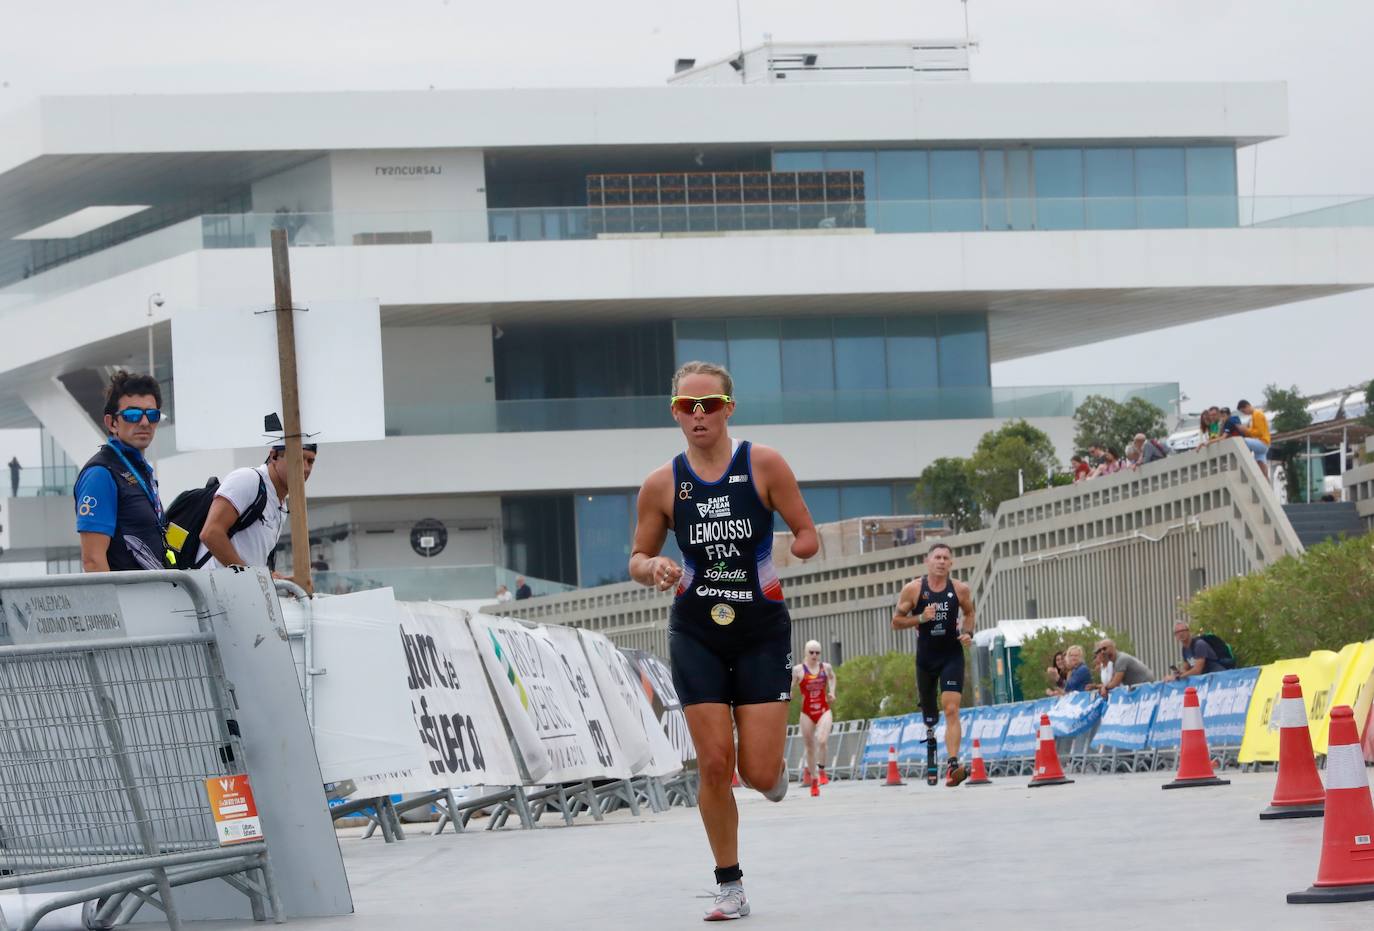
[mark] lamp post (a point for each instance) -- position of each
(154, 300)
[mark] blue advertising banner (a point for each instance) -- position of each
(882, 733)
(1167, 730)
(1226, 705)
(990, 728)
(1075, 713)
(968, 720)
(1127, 720)
(1225, 699)
(1023, 730)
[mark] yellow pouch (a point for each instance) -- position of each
(176, 537)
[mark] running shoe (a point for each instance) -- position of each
(806, 776)
(955, 772)
(730, 903)
(815, 789)
(825, 780)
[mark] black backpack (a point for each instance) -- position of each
(1221, 648)
(191, 508)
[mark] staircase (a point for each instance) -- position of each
(1324, 520)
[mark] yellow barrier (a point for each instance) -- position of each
(1354, 665)
(1317, 673)
(1328, 679)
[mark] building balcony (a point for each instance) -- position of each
(545, 224)
(802, 407)
(440, 583)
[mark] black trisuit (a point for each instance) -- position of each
(729, 634)
(939, 654)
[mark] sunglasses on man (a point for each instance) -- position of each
(709, 404)
(135, 414)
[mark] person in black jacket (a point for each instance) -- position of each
(118, 511)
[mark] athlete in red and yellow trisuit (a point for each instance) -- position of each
(816, 680)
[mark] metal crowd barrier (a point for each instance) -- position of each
(105, 746)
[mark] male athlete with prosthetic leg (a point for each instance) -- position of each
(941, 610)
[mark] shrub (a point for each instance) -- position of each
(1320, 600)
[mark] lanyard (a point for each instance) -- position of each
(152, 498)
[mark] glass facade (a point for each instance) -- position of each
(586, 360)
(772, 357)
(1038, 187)
(601, 532)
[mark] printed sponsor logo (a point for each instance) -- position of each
(724, 615)
(684, 491)
(736, 479)
(729, 594)
(715, 507)
(407, 171)
(720, 573)
(87, 505)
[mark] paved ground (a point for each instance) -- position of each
(1107, 852)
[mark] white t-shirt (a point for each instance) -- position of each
(255, 543)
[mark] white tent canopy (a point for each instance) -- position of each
(1015, 632)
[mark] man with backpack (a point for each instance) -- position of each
(246, 512)
(1201, 654)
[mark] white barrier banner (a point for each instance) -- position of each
(587, 698)
(625, 702)
(657, 681)
(554, 739)
(451, 707)
(363, 729)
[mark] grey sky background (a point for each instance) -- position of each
(1320, 49)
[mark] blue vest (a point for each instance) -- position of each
(137, 542)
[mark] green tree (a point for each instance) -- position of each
(1014, 452)
(1100, 421)
(875, 686)
(1320, 600)
(945, 487)
(1287, 410)
(1368, 418)
(1037, 653)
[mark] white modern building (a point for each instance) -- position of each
(858, 251)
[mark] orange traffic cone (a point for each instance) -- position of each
(1048, 772)
(1346, 871)
(894, 778)
(979, 774)
(1194, 759)
(1299, 792)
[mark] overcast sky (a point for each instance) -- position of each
(1321, 50)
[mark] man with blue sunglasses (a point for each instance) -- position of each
(118, 511)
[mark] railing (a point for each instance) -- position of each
(951, 403)
(36, 481)
(441, 583)
(526, 224)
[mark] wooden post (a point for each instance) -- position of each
(291, 412)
